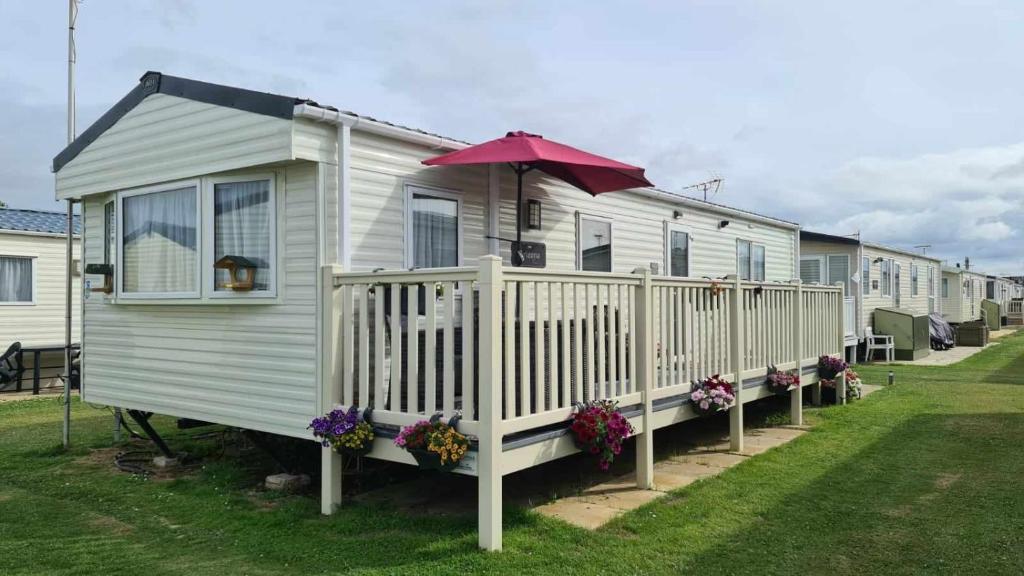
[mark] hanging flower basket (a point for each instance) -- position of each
(434, 444)
(347, 431)
(830, 366)
(780, 383)
(599, 428)
(712, 395)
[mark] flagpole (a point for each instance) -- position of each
(69, 259)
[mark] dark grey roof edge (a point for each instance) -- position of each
(822, 237)
(151, 82)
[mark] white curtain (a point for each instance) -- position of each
(758, 266)
(15, 279)
(160, 248)
(435, 229)
(241, 227)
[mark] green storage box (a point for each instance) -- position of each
(972, 334)
(909, 331)
(993, 314)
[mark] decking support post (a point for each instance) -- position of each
(841, 319)
(645, 375)
(737, 353)
(796, 397)
(330, 384)
(489, 475)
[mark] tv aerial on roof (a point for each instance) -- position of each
(714, 186)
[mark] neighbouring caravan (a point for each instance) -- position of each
(874, 276)
(1001, 291)
(32, 265)
(962, 291)
(271, 257)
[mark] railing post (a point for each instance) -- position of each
(737, 353)
(796, 397)
(841, 378)
(330, 385)
(645, 353)
(489, 477)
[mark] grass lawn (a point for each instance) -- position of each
(921, 478)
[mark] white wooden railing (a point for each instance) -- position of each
(850, 318)
(514, 349)
(1015, 311)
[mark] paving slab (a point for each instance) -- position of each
(580, 512)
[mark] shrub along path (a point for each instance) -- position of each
(920, 478)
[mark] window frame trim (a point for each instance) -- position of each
(580, 216)
(119, 220)
(208, 240)
(34, 258)
(750, 264)
(822, 271)
(458, 196)
(671, 227)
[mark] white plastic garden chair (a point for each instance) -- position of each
(878, 342)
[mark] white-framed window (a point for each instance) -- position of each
(865, 283)
(897, 291)
(158, 242)
(826, 269)
(913, 279)
(109, 231)
(593, 243)
(677, 250)
(750, 260)
(433, 227)
(812, 269)
(240, 215)
(17, 280)
(945, 287)
(886, 277)
(932, 303)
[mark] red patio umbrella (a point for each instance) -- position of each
(525, 152)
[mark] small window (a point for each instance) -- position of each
(865, 282)
(811, 269)
(158, 243)
(839, 271)
(593, 243)
(16, 279)
(931, 281)
(945, 287)
(433, 228)
(109, 232)
(913, 279)
(886, 277)
(677, 251)
(243, 226)
(750, 260)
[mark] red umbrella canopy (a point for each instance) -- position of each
(590, 172)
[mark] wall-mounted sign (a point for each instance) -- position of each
(529, 254)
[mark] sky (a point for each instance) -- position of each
(897, 119)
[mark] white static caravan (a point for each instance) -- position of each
(346, 232)
(1001, 291)
(32, 265)
(875, 276)
(962, 292)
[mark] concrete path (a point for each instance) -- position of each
(947, 357)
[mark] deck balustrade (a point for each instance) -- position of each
(513, 350)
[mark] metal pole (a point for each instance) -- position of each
(519, 203)
(68, 259)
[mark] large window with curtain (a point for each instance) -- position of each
(677, 250)
(433, 228)
(16, 280)
(593, 243)
(159, 243)
(243, 214)
(750, 260)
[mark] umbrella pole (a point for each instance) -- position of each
(519, 203)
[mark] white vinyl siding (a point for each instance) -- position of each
(917, 303)
(41, 322)
(167, 138)
(247, 366)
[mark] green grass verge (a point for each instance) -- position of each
(920, 478)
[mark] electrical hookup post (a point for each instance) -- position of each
(69, 246)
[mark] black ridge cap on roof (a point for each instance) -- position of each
(822, 237)
(156, 83)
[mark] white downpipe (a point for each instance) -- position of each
(344, 196)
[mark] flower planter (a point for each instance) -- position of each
(355, 452)
(428, 460)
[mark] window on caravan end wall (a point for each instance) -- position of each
(434, 228)
(243, 226)
(593, 243)
(677, 251)
(945, 287)
(865, 281)
(811, 269)
(16, 280)
(913, 279)
(750, 259)
(886, 278)
(159, 243)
